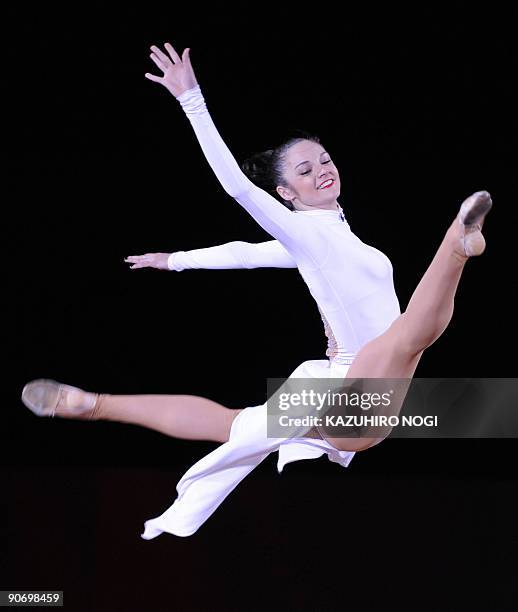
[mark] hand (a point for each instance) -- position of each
(178, 72)
(149, 260)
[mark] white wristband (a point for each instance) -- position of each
(192, 101)
(170, 262)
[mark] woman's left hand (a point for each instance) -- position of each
(178, 74)
(149, 260)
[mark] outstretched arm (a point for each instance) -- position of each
(232, 255)
(178, 77)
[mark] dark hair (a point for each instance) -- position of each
(266, 169)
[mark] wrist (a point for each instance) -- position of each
(192, 101)
(170, 262)
(186, 93)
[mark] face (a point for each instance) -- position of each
(311, 177)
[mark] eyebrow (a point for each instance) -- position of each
(307, 162)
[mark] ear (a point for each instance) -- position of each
(285, 193)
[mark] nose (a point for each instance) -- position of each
(323, 171)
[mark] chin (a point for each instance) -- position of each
(331, 194)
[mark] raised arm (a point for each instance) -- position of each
(178, 78)
(232, 255)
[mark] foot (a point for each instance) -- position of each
(471, 218)
(50, 398)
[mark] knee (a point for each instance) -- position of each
(407, 342)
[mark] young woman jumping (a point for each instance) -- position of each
(351, 282)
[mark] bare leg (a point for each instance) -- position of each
(396, 353)
(181, 416)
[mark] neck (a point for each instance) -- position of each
(333, 205)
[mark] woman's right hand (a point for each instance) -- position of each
(178, 72)
(149, 260)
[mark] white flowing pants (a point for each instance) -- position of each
(209, 481)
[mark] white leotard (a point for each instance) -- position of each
(352, 283)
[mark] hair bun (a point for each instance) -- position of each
(258, 168)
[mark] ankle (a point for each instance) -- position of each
(75, 403)
(455, 240)
(465, 240)
(460, 254)
(97, 409)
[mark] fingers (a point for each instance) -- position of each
(153, 77)
(161, 55)
(141, 264)
(174, 56)
(186, 57)
(163, 66)
(139, 261)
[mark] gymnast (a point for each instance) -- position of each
(350, 281)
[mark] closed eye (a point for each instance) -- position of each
(308, 171)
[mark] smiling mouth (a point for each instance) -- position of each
(326, 184)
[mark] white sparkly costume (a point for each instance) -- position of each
(352, 285)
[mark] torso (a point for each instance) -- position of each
(351, 282)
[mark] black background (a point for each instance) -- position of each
(418, 109)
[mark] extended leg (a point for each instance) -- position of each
(396, 353)
(181, 416)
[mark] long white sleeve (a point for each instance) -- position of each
(271, 215)
(233, 255)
